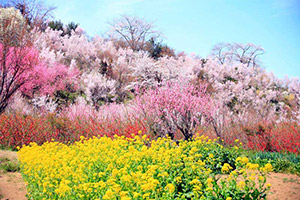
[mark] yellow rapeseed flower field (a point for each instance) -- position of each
(123, 168)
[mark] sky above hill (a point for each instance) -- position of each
(195, 26)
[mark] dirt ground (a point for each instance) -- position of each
(12, 186)
(284, 186)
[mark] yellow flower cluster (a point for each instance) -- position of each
(226, 168)
(244, 160)
(122, 168)
(267, 168)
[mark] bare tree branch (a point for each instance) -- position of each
(243, 53)
(134, 31)
(36, 12)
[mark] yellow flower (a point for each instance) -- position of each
(136, 195)
(238, 159)
(261, 178)
(228, 198)
(195, 181)
(252, 166)
(209, 182)
(125, 198)
(170, 187)
(226, 168)
(268, 167)
(123, 193)
(242, 184)
(108, 194)
(91, 167)
(178, 179)
(146, 195)
(245, 160)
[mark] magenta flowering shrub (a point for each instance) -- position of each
(175, 106)
(48, 79)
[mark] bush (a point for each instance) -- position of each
(280, 137)
(18, 130)
(271, 137)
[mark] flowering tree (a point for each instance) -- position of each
(98, 88)
(175, 106)
(45, 80)
(235, 80)
(15, 65)
(13, 27)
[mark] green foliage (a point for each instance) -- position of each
(281, 162)
(65, 98)
(157, 49)
(66, 29)
(56, 25)
(8, 166)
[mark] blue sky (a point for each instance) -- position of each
(197, 25)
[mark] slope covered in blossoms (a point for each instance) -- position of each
(74, 77)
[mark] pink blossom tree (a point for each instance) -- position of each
(175, 106)
(45, 79)
(22, 70)
(16, 63)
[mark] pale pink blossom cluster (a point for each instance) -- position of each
(175, 106)
(105, 73)
(108, 112)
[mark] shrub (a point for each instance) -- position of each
(280, 137)
(18, 130)
(263, 136)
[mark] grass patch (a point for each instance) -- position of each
(7, 165)
(290, 180)
(281, 162)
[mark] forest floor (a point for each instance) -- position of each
(12, 186)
